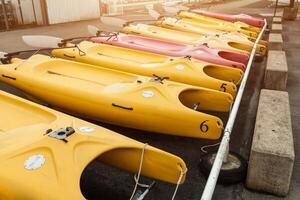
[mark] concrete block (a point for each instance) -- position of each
(275, 42)
(277, 20)
(279, 14)
(290, 13)
(276, 73)
(276, 28)
(272, 153)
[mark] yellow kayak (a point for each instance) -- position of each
(182, 37)
(151, 104)
(218, 24)
(235, 39)
(43, 153)
(186, 70)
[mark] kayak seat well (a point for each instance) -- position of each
(127, 159)
(236, 57)
(223, 73)
(260, 48)
(241, 46)
(201, 100)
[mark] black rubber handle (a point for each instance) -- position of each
(123, 107)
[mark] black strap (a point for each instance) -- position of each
(159, 79)
(123, 107)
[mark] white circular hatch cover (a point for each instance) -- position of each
(180, 67)
(86, 129)
(148, 94)
(34, 162)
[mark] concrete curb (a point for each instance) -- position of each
(275, 42)
(272, 153)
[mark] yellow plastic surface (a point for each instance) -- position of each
(234, 39)
(182, 37)
(23, 128)
(185, 70)
(219, 24)
(119, 98)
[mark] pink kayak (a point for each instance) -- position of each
(258, 22)
(200, 52)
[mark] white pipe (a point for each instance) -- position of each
(214, 173)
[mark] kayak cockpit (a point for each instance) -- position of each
(209, 100)
(240, 46)
(121, 160)
(232, 56)
(224, 73)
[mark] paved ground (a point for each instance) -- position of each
(292, 47)
(103, 182)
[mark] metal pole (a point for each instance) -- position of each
(5, 15)
(292, 3)
(225, 159)
(34, 14)
(21, 12)
(275, 10)
(214, 173)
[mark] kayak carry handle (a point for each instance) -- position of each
(61, 134)
(123, 107)
(9, 56)
(110, 35)
(159, 79)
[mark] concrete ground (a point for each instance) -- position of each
(291, 37)
(103, 182)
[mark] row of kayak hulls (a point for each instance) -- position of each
(219, 24)
(100, 87)
(240, 37)
(186, 34)
(249, 20)
(190, 38)
(235, 40)
(32, 157)
(116, 97)
(199, 73)
(199, 52)
(147, 64)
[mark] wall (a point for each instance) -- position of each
(60, 11)
(27, 11)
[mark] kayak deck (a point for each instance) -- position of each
(32, 149)
(120, 98)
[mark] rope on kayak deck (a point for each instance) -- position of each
(139, 172)
(208, 146)
(27, 59)
(215, 144)
(137, 176)
(182, 173)
(140, 184)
